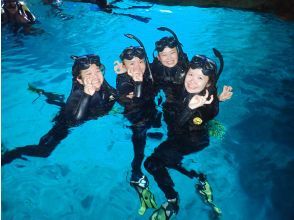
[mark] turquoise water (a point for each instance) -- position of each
(250, 169)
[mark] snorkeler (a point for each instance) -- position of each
(16, 12)
(135, 93)
(109, 7)
(169, 69)
(91, 97)
(199, 104)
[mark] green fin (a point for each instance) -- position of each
(147, 200)
(34, 89)
(159, 214)
(143, 207)
(205, 192)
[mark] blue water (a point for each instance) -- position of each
(250, 169)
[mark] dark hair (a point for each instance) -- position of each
(164, 42)
(131, 52)
(84, 62)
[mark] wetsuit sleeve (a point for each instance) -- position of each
(77, 105)
(124, 87)
(110, 90)
(155, 73)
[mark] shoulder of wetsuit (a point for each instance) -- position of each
(124, 78)
(184, 62)
(157, 69)
(156, 63)
(109, 89)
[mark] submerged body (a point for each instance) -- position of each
(91, 97)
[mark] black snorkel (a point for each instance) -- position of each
(180, 45)
(221, 61)
(146, 57)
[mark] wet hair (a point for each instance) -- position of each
(131, 52)
(84, 62)
(164, 42)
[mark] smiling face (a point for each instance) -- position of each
(92, 75)
(168, 57)
(196, 81)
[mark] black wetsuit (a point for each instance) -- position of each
(79, 108)
(188, 136)
(141, 112)
(22, 11)
(171, 81)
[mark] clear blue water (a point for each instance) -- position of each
(250, 169)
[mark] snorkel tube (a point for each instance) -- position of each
(146, 57)
(221, 61)
(180, 45)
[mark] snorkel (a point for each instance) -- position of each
(180, 46)
(146, 57)
(221, 61)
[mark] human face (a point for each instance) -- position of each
(91, 76)
(11, 6)
(135, 66)
(168, 57)
(196, 81)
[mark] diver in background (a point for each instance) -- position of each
(91, 97)
(16, 12)
(198, 105)
(109, 7)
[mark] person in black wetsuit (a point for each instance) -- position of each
(198, 105)
(135, 93)
(90, 98)
(169, 69)
(109, 8)
(16, 12)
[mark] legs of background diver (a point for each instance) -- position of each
(45, 147)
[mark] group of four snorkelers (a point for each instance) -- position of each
(191, 101)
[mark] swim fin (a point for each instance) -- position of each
(166, 211)
(205, 191)
(147, 199)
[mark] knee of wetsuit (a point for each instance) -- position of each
(152, 164)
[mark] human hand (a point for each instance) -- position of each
(119, 68)
(89, 88)
(130, 95)
(226, 94)
(137, 76)
(198, 100)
